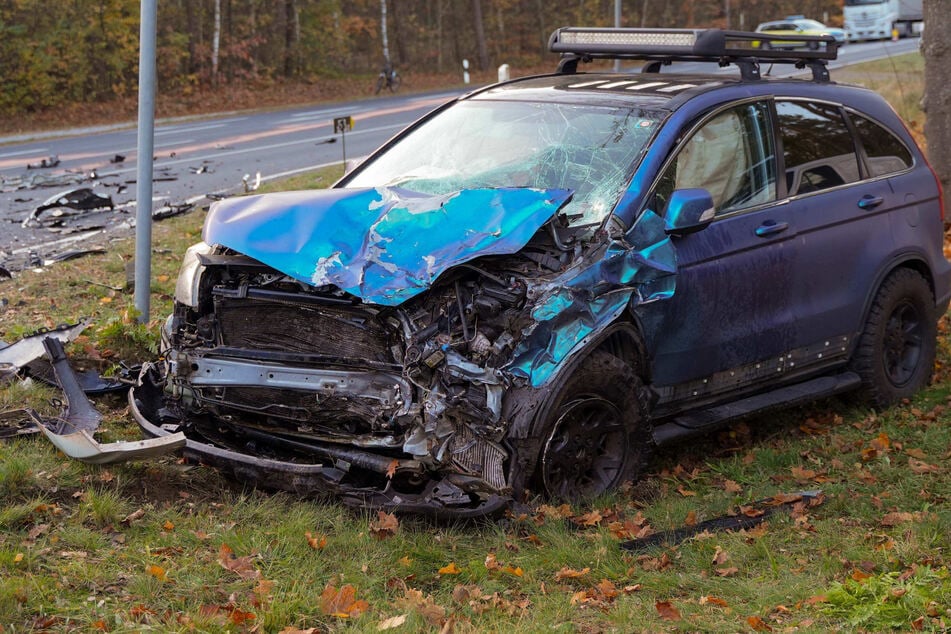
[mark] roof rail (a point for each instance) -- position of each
(745, 49)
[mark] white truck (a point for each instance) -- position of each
(875, 19)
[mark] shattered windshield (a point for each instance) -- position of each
(591, 150)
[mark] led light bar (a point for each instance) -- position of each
(578, 37)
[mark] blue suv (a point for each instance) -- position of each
(534, 284)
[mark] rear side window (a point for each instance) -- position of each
(884, 152)
(817, 147)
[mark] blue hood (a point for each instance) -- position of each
(383, 245)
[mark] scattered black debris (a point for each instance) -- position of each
(72, 255)
(16, 422)
(22, 200)
(5, 272)
(52, 161)
(80, 199)
(756, 513)
(170, 210)
(201, 169)
(332, 139)
(118, 158)
(216, 196)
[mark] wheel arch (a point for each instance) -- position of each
(910, 260)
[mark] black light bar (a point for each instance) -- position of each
(712, 45)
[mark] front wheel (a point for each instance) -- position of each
(395, 83)
(379, 84)
(896, 351)
(596, 435)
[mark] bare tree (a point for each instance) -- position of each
(480, 34)
(937, 98)
(215, 43)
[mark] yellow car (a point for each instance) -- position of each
(797, 26)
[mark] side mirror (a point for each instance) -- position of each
(688, 211)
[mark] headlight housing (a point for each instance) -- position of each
(189, 277)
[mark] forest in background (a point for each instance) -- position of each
(86, 51)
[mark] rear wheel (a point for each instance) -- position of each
(379, 84)
(596, 435)
(395, 83)
(896, 351)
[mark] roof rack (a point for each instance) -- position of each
(662, 46)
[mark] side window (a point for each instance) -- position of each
(884, 152)
(731, 156)
(817, 147)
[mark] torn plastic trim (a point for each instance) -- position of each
(30, 348)
(82, 446)
(383, 245)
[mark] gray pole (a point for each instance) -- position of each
(143, 191)
(617, 25)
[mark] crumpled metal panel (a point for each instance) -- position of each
(638, 269)
(384, 245)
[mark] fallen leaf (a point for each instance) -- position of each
(156, 571)
(713, 601)
(727, 572)
(758, 624)
(491, 563)
(131, 517)
(450, 569)
(667, 611)
(239, 617)
(896, 518)
(391, 469)
(425, 606)
(241, 566)
(589, 519)
(568, 573)
(17, 558)
(317, 542)
(290, 629)
(860, 576)
(385, 525)
(921, 467)
(516, 571)
(685, 492)
(168, 526)
(732, 487)
(691, 519)
(342, 602)
(391, 623)
(720, 556)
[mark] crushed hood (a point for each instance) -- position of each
(383, 245)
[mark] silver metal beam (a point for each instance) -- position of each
(148, 14)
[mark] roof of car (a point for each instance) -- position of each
(648, 89)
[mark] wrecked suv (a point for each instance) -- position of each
(532, 285)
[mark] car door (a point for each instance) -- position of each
(840, 212)
(730, 318)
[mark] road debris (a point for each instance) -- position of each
(14, 357)
(46, 163)
(80, 199)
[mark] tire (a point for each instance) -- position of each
(896, 350)
(379, 84)
(395, 83)
(596, 435)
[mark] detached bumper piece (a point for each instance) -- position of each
(73, 432)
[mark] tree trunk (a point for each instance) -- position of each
(386, 43)
(215, 42)
(936, 101)
(480, 34)
(290, 35)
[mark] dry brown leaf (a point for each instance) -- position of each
(515, 571)
(589, 519)
(896, 518)
(732, 487)
(156, 571)
(241, 566)
(342, 602)
(713, 601)
(568, 573)
(425, 606)
(450, 569)
(727, 572)
(758, 624)
(168, 526)
(685, 492)
(391, 469)
(385, 525)
(491, 563)
(691, 519)
(802, 475)
(131, 517)
(391, 623)
(667, 611)
(720, 556)
(921, 467)
(317, 542)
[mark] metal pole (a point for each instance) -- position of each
(148, 14)
(617, 25)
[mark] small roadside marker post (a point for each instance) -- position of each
(341, 125)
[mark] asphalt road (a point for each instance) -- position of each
(211, 155)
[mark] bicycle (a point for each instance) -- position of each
(388, 77)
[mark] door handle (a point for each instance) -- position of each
(870, 202)
(771, 227)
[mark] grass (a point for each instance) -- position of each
(145, 546)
